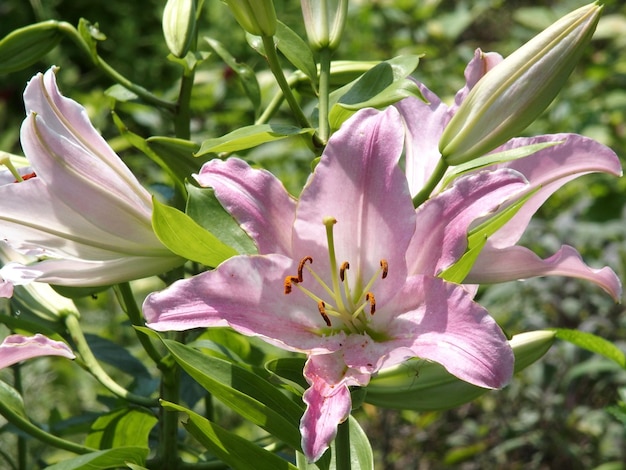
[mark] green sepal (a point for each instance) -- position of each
(118, 457)
(384, 84)
(244, 391)
(236, 451)
(25, 46)
(121, 428)
(477, 238)
(185, 237)
(251, 136)
(205, 209)
(244, 72)
(592, 343)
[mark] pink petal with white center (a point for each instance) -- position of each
(516, 262)
(328, 401)
(247, 294)
(359, 183)
(256, 199)
(548, 170)
(443, 221)
(16, 348)
(68, 119)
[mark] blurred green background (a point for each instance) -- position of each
(568, 410)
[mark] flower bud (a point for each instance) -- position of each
(179, 23)
(27, 45)
(257, 17)
(426, 386)
(512, 94)
(324, 21)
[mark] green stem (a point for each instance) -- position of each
(272, 59)
(93, 366)
(432, 182)
(182, 119)
(113, 74)
(21, 440)
(129, 305)
(324, 93)
(342, 446)
(168, 439)
(21, 422)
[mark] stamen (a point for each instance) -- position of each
(385, 266)
(288, 281)
(25, 177)
(372, 300)
(321, 306)
(301, 266)
(342, 270)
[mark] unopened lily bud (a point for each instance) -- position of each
(27, 45)
(426, 386)
(179, 23)
(257, 17)
(324, 21)
(516, 91)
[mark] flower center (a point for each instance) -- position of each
(343, 302)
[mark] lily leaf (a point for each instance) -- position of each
(204, 208)
(592, 343)
(243, 391)
(477, 239)
(118, 457)
(122, 427)
(182, 235)
(232, 449)
(296, 50)
(251, 136)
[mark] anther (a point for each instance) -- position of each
(385, 266)
(288, 281)
(372, 300)
(342, 270)
(26, 177)
(321, 306)
(301, 266)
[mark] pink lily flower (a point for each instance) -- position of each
(347, 273)
(16, 348)
(80, 210)
(546, 171)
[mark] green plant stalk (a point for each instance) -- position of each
(182, 118)
(277, 71)
(168, 441)
(21, 440)
(25, 425)
(130, 307)
(342, 446)
(113, 74)
(91, 364)
(432, 182)
(324, 94)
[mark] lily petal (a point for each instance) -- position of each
(16, 348)
(481, 63)
(328, 401)
(443, 221)
(247, 294)
(256, 199)
(516, 262)
(6, 288)
(368, 196)
(548, 170)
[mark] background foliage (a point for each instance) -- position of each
(568, 410)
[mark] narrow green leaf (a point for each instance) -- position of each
(361, 455)
(25, 46)
(477, 239)
(290, 368)
(243, 71)
(204, 208)
(243, 391)
(251, 136)
(183, 236)
(236, 451)
(12, 400)
(121, 428)
(592, 343)
(296, 50)
(495, 158)
(104, 459)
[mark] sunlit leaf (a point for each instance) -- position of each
(592, 343)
